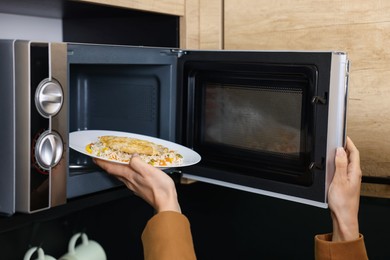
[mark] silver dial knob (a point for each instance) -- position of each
(49, 97)
(48, 150)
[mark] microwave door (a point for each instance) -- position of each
(265, 122)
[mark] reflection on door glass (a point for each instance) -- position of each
(260, 118)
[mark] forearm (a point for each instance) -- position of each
(345, 229)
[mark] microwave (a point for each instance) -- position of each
(266, 122)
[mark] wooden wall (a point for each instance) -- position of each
(202, 24)
(359, 27)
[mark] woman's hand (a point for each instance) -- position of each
(146, 181)
(344, 193)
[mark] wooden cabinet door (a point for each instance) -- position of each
(358, 27)
(201, 26)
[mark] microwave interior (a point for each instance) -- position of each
(126, 93)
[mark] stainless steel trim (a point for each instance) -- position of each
(59, 122)
(338, 91)
(22, 125)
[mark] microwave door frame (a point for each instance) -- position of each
(332, 71)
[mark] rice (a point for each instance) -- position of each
(165, 158)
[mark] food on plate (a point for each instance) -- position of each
(130, 145)
(119, 148)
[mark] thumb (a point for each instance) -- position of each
(341, 162)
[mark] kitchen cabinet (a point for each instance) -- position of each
(198, 26)
(358, 27)
(201, 26)
(200, 21)
(87, 22)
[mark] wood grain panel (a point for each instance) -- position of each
(359, 27)
(211, 24)
(189, 25)
(201, 26)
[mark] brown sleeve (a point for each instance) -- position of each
(325, 249)
(167, 236)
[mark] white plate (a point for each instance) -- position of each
(80, 139)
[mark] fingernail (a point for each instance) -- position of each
(340, 151)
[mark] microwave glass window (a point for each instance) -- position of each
(263, 116)
(254, 118)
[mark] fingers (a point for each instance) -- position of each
(118, 170)
(140, 166)
(341, 163)
(131, 172)
(354, 155)
(347, 163)
(354, 161)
